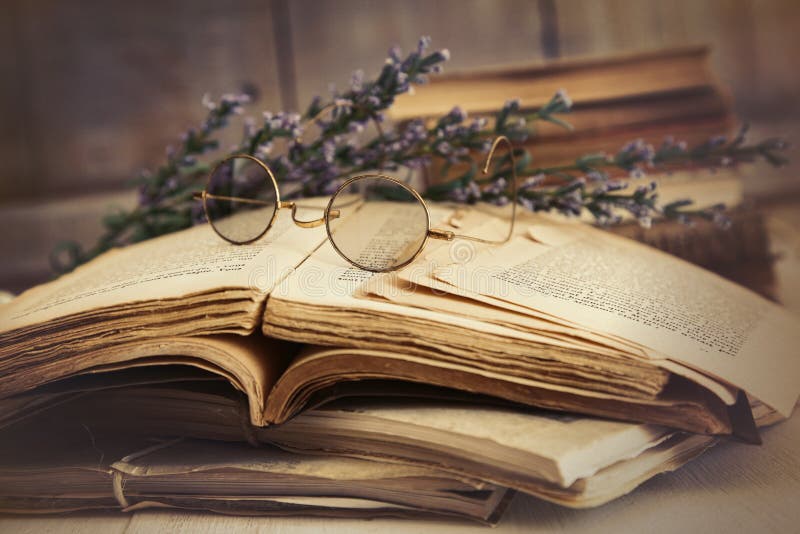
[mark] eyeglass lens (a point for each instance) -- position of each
(241, 199)
(381, 225)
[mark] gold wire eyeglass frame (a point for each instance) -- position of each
(330, 213)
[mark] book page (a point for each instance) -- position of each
(446, 298)
(554, 446)
(391, 288)
(618, 287)
(416, 285)
(326, 279)
(189, 262)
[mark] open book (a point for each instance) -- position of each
(564, 317)
(571, 460)
(51, 465)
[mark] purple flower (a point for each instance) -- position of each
(357, 80)
(717, 140)
(344, 103)
(527, 203)
(616, 185)
(459, 195)
(496, 187)
(533, 181)
(645, 189)
(249, 127)
(457, 114)
(563, 98)
(198, 213)
(722, 220)
(423, 44)
(478, 124)
(512, 105)
(636, 173)
(355, 127)
(394, 55)
(596, 176)
(263, 150)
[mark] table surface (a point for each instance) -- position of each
(734, 487)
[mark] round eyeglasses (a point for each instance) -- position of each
(374, 221)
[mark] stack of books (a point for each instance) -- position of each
(275, 378)
(570, 363)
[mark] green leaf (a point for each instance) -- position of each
(588, 162)
(676, 205)
(559, 122)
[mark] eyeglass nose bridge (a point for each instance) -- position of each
(330, 214)
(444, 235)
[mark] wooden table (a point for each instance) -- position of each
(732, 488)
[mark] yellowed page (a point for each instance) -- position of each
(483, 222)
(489, 222)
(561, 447)
(621, 288)
(326, 279)
(390, 288)
(326, 286)
(181, 264)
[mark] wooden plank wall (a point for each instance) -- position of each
(93, 90)
(98, 88)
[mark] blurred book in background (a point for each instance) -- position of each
(648, 96)
(643, 96)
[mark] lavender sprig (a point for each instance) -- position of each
(586, 184)
(314, 165)
(164, 201)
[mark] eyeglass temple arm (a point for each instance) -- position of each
(202, 195)
(447, 235)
